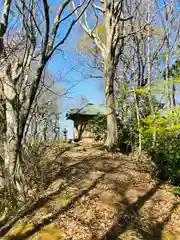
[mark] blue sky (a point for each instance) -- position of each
(69, 69)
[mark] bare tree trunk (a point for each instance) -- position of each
(149, 71)
(56, 129)
(138, 121)
(111, 49)
(45, 131)
(169, 22)
(174, 95)
(112, 134)
(167, 64)
(174, 84)
(34, 130)
(12, 144)
(20, 89)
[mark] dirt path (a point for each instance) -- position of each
(96, 195)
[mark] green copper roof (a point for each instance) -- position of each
(89, 109)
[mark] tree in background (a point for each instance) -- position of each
(43, 122)
(110, 19)
(141, 65)
(32, 39)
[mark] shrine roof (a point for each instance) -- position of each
(90, 110)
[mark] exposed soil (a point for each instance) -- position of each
(97, 195)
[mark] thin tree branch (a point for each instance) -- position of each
(57, 22)
(98, 8)
(69, 30)
(5, 16)
(47, 22)
(90, 32)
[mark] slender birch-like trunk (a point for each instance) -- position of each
(149, 70)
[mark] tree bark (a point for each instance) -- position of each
(169, 23)
(136, 100)
(167, 68)
(112, 134)
(149, 83)
(12, 144)
(173, 95)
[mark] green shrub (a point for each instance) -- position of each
(166, 152)
(97, 125)
(128, 136)
(176, 190)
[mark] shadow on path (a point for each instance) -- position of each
(106, 175)
(131, 220)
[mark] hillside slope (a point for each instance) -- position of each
(97, 195)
